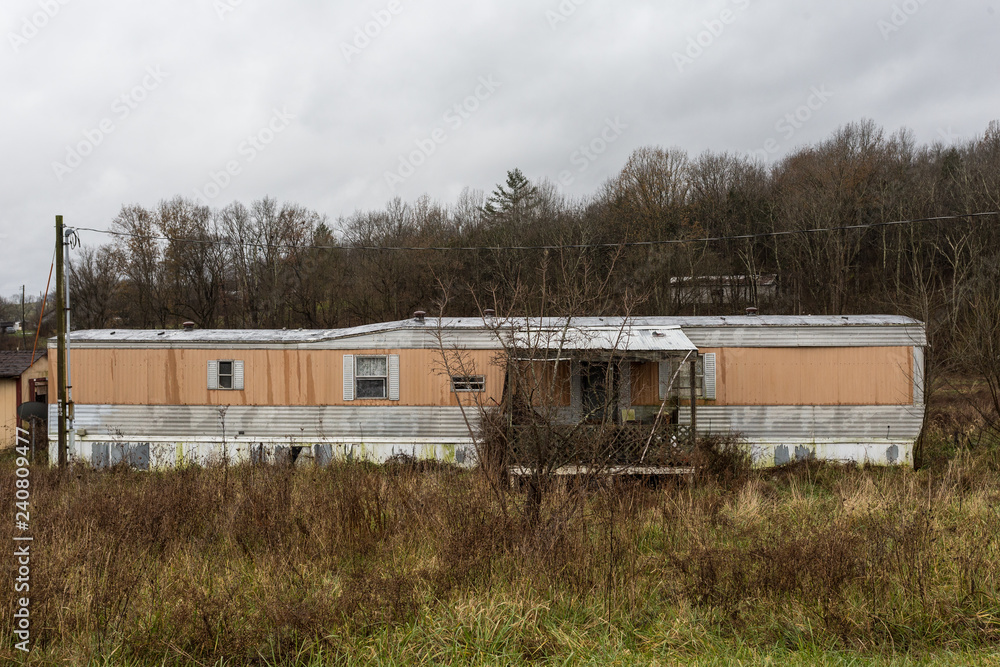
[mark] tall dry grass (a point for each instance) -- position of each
(281, 565)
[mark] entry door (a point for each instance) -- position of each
(597, 391)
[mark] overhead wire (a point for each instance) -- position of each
(560, 246)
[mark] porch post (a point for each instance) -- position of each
(692, 366)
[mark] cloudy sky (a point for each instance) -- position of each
(339, 106)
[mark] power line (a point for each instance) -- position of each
(565, 246)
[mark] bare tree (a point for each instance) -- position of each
(94, 287)
(140, 255)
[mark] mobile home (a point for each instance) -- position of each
(842, 388)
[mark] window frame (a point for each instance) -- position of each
(358, 377)
(684, 379)
(231, 375)
(236, 377)
(470, 384)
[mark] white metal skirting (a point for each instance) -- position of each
(776, 434)
(881, 434)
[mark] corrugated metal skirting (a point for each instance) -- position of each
(298, 422)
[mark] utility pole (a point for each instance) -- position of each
(61, 348)
(692, 369)
(24, 333)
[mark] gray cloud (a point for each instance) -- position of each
(565, 69)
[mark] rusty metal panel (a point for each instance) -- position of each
(8, 411)
(645, 383)
(918, 376)
(136, 376)
(816, 376)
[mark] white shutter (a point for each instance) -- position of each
(238, 374)
(918, 376)
(393, 377)
(709, 367)
(348, 377)
(213, 374)
(664, 378)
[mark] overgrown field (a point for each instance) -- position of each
(356, 563)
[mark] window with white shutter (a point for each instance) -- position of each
(226, 374)
(704, 377)
(373, 376)
(665, 372)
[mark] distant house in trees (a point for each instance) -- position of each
(732, 290)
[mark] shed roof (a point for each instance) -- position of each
(14, 364)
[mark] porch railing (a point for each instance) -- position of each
(557, 445)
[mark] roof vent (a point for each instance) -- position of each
(419, 315)
(188, 326)
(751, 311)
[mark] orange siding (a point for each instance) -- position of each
(744, 376)
(645, 383)
(8, 412)
(547, 382)
(272, 377)
(815, 376)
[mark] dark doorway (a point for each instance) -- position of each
(598, 390)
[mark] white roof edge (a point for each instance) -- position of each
(453, 324)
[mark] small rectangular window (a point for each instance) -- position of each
(371, 376)
(684, 379)
(468, 383)
(225, 375)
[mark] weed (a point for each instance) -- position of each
(292, 565)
